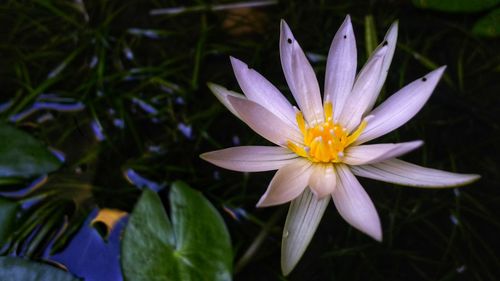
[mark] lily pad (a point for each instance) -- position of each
(8, 210)
(489, 25)
(456, 5)
(21, 155)
(15, 269)
(193, 244)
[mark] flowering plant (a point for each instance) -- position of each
(321, 143)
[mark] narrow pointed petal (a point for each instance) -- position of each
(373, 153)
(400, 107)
(250, 158)
(323, 180)
(302, 220)
(341, 67)
(390, 40)
(261, 91)
(264, 122)
(354, 204)
(300, 76)
(221, 93)
(404, 173)
(287, 184)
(363, 91)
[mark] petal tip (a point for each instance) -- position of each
(262, 202)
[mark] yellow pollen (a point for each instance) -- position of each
(326, 141)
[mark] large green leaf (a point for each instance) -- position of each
(16, 269)
(456, 5)
(8, 210)
(489, 25)
(21, 155)
(193, 245)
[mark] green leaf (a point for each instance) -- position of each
(370, 35)
(15, 269)
(489, 25)
(456, 5)
(193, 245)
(21, 155)
(8, 210)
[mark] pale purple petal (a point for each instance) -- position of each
(264, 122)
(300, 76)
(400, 107)
(354, 204)
(261, 91)
(341, 67)
(363, 91)
(404, 173)
(287, 184)
(250, 158)
(221, 93)
(373, 153)
(302, 220)
(390, 40)
(323, 179)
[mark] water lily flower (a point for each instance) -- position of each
(320, 145)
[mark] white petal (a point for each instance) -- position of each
(300, 76)
(354, 204)
(404, 173)
(373, 153)
(363, 91)
(400, 107)
(323, 179)
(287, 184)
(250, 158)
(221, 93)
(341, 67)
(303, 218)
(390, 41)
(261, 91)
(264, 122)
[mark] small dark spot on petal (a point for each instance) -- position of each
(385, 43)
(345, 36)
(289, 41)
(424, 79)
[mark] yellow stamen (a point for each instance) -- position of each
(326, 141)
(300, 121)
(328, 111)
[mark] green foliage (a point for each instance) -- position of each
(21, 155)
(192, 245)
(489, 25)
(16, 269)
(8, 211)
(456, 5)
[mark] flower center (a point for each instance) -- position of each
(324, 142)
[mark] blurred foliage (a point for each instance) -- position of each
(141, 78)
(488, 25)
(15, 269)
(456, 5)
(8, 210)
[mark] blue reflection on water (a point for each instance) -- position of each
(89, 257)
(97, 130)
(186, 130)
(152, 34)
(49, 102)
(145, 106)
(141, 182)
(6, 105)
